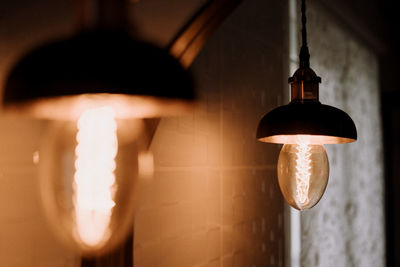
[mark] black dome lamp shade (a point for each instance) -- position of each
(305, 115)
(101, 66)
(304, 126)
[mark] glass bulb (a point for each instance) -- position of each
(303, 172)
(88, 170)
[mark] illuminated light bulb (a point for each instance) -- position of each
(94, 178)
(88, 170)
(303, 172)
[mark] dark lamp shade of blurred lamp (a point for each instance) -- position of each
(96, 86)
(304, 126)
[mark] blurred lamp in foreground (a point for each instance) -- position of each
(304, 126)
(88, 171)
(96, 87)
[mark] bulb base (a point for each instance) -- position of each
(304, 85)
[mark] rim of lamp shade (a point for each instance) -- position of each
(100, 67)
(311, 122)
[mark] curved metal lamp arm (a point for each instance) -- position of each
(192, 38)
(189, 42)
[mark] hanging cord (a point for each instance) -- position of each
(304, 53)
(303, 23)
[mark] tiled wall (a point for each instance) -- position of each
(214, 200)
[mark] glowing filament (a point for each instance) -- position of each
(94, 174)
(303, 166)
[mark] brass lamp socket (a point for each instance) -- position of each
(304, 86)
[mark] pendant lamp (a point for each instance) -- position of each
(101, 65)
(304, 126)
(95, 86)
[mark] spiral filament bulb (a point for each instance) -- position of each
(303, 173)
(94, 174)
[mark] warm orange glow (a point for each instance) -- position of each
(303, 166)
(303, 173)
(311, 139)
(146, 165)
(94, 175)
(125, 106)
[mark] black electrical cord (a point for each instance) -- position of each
(303, 23)
(304, 53)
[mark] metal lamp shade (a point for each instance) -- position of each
(59, 80)
(314, 122)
